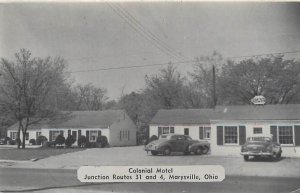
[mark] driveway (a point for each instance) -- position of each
(285, 167)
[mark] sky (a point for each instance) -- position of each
(103, 35)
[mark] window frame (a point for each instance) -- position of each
(293, 135)
(237, 132)
(53, 134)
(205, 132)
(261, 129)
(167, 128)
(90, 135)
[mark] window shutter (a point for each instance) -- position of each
(201, 132)
(171, 129)
(50, 136)
(61, 132)
(87, 136)
(219, 135)
(159, 131)
(297, 135)
(99, 133)
(242, 135)
(128, 135)
(273, 131)
(79, 133)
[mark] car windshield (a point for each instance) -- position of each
(165, 137)
(262, 139)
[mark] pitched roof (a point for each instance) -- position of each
(258, 112)
(183, 116)
(81, 119)
(235, 112)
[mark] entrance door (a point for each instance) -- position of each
(74, 134)
(186, 131)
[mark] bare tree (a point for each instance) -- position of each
(90, 97)
(28, 88)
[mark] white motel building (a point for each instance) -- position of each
(227, 127)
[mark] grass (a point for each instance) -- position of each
(27, 154)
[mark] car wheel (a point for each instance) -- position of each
(154, 152)
(205, 150)
(246, 157)
(278, 155)
(167, 151)
(272, 158)
(198, 151)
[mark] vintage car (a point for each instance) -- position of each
(168, 143)
(261, 146)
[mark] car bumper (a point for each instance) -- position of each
(257, 153)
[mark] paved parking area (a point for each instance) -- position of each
(285, 167)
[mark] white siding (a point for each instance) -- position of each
(234, 150)
(178, 129)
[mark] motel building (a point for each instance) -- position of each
(227, 127)
(116, 125)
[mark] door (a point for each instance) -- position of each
(186, 131)
(74, 134)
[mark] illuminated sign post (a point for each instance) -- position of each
(258, 100)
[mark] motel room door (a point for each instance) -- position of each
(74, 134)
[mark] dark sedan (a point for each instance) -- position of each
(168, 143)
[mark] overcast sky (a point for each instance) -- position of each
(93, 36)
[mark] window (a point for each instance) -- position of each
(27, 136)
(13, 135)
(93, 136)
(206, 132)
(257, 130)
(167, 130)
(285, 134)
(230, 135)
(54, 134)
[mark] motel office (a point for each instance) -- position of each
(227, 127)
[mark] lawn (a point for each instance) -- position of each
(27, 154)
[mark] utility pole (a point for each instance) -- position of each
(214, 87)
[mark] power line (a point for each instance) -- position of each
(148, 32)
(137, 29)
(178, 63)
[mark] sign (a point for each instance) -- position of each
(258, 100)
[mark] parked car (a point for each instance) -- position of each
(168, 143)
(4, 140)
(261, 146)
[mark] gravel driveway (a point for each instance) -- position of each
(285, 167)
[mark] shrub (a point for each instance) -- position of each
(91, 144)
(41, 139)
(18, 141)
(11, 142)
(32, 141)
(82, 141)
(152, 138)
(60, 140)
(49, 143)
(102, 141)
(70, 140)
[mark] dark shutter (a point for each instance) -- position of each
(297, 135)
(201, 132)
(50, 136)
(273, 131)
(61, 132)
(128, 135)
(171, 129)
(99, 133)
(87, 135)
(242, 134)
(69, 132)
(159, 131)
(79, 133)
(219, 135)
